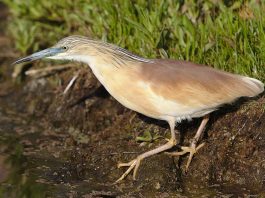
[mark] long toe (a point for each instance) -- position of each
(192, 149)
(133, 165)
(185, 149)
(192, 152)
(177, 153)
(125, 164)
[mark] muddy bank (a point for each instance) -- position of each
(68, 145)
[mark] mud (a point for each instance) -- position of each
(68, 145)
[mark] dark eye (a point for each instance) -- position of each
(64, 47)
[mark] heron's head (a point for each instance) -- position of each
(83, 49)
(69, 48)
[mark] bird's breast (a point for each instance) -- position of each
(126, 88)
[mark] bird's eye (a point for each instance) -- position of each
(64, 47)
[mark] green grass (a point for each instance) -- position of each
(227, 36)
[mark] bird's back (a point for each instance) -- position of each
(198, 88)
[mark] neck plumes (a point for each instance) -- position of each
(100, 54)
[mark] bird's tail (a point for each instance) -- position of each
(254, 86)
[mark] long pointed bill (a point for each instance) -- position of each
(39, 55)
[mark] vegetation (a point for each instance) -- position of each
(229, 36)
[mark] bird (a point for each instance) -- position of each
(163, 89)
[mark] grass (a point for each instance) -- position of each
(229, 36)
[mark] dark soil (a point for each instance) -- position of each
(68, 145)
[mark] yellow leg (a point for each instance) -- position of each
(192, 149)
(134, 164)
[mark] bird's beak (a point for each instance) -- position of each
(39, 55)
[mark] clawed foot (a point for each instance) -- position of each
(133, 165)
(191, 149)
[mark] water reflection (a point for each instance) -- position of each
(15, 178)
(34, 162)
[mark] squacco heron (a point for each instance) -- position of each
(163, 89)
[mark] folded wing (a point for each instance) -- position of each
(195, 86)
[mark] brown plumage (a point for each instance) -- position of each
(195, 89)
(168, 90)
(197, 86)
